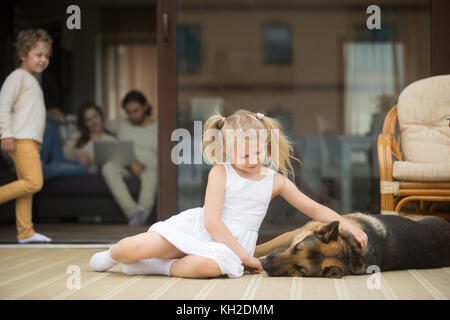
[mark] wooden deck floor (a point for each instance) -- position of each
(42, 274)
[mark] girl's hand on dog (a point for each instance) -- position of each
(359, 235)
(253, 265)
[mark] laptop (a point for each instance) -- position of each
(120, 152)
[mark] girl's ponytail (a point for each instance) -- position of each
(212, 128)
(284, 149)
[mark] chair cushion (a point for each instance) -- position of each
(423, 109)
(415, 171)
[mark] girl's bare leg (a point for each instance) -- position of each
(150, 245)
(193, 266)
(146, 245)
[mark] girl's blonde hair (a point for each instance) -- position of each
(245, 120)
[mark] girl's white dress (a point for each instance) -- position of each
(244, 208)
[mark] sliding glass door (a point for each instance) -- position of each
(314, 65)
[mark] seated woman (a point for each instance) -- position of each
(54, 163)
(81, 147)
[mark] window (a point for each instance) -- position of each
(128, 67)
(386, 33)
(317, 69)
(189, 55)
(373, 71)
(277, 44)
(374, 74)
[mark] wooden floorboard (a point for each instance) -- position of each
(46, 274)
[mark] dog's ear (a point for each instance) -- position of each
(295, 248)
(328, 232)
(332, 272)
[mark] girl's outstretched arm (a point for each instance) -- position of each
(215, 193)
(289, 191)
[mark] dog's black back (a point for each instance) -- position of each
(397, 243)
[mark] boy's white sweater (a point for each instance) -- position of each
(22, 107)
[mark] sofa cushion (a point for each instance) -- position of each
(4, 163)
(7, 176)
(415, 171)
(423, 109)
(91, 185)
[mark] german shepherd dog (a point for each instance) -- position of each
(323, 250)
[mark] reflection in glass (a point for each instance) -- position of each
(316, 67)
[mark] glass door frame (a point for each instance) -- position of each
(167, 107)
(167, 203)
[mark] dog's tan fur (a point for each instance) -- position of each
(299, 253)
(286, 239)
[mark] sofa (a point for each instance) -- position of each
(70, 199)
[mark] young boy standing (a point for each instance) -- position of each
(22, 124)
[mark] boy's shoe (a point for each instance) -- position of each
(37, 237)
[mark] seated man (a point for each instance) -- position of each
(142, 131)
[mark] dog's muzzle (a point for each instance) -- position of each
(268, 264)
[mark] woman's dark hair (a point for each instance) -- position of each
(137, 96)
(84, 130)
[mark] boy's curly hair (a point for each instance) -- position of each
(27, 39)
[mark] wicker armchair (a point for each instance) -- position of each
(415, 165)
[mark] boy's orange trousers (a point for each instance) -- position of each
(28, 165)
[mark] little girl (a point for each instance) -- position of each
(22, 123)
(220, 237)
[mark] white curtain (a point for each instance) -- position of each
(141, 70)
(129, 67)
(371, 70)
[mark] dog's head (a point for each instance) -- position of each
(324, 251)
